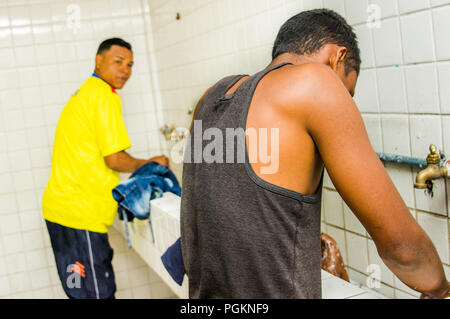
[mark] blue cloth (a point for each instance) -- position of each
(148, 182)
(133, 196)
(145, 184)
(173, 261)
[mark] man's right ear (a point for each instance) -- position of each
(337, 58)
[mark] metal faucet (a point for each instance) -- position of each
(433, 171)
(173, 133)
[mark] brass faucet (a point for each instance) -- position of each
(433, 171)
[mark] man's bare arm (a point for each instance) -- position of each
(334, 122)
(125, 163)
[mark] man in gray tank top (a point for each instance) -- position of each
(253, 173)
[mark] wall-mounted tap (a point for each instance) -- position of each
(173, 133)
(433, 171)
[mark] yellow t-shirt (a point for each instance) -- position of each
(79, 191)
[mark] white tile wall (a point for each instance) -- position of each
(403, 180)
(339, 236)
(402, 90)
(387, 43)
(425, 130)
(417, 36)
(333, 208)
(43, 62)
(437, 230)
(412, 5)
(444, 82)
(441, 19)
(357, 251)
(356, 11)
(395, 133)
(373, 128)
(435, 204)
(386, 276)
(421, 86)
(405, 77)
(391, 87)
(366, 47)
(352, 223)
(335, 5)
(446, 132)
(366, 96)
(388, 8)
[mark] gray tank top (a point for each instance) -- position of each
(241, 236)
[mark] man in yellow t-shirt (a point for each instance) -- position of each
(88, 154)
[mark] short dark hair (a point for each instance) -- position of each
(308, 31)
(107, 44)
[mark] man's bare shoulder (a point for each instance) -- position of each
(305, 84)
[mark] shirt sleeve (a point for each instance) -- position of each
(112, 136)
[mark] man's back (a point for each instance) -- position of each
(243, 236)
(308, 108)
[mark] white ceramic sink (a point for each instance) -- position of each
(165, 214)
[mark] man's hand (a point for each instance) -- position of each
(163, 160)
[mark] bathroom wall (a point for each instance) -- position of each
(402, 93)
(47, 50)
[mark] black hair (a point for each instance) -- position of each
(308, 31)
(107, 44)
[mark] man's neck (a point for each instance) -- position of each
(98, 75)
(294, 59)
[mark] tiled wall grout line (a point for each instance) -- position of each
(194, 71)
(176, 66)
(366, 237)
(23, 130)
(220, 26)
(153, 70)
(413, 208)
(20, 232)
(209, 58)
(232, 22)
(408, 13)
(172, 67)
(384, 283)
(63, 22)
(404, 79)
(378, 116)
(440, 103)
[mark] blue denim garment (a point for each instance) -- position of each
(173, 261)
(148, 182)
(133, 197)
